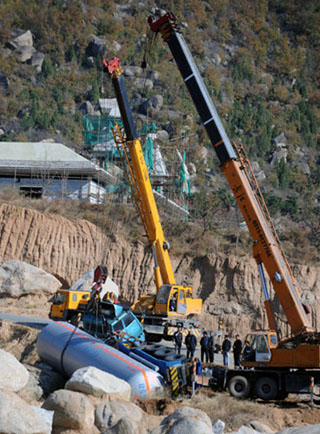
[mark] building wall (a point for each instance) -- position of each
(59, 188)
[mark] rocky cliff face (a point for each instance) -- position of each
(229, 286)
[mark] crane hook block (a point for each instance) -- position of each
(112, 66)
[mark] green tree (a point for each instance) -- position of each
(282, 171)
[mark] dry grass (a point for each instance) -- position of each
(232, 411)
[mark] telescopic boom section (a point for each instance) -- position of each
(266, 247)
(140, 176)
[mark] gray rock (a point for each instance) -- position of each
(97, 46)
(19, 278)
(37, 60)
(108, 413)
(90, 62)
(141, 83)
(17, 417)
(280, 141)
(279, 155)
(246, 430)
(45, 415)
(14, 375)
(216, 59)
(43, 380)
(304, 168)
(4, 82)
(32, 390)
(133, 71)
(218, 427)
(86, 108)
(24, 39)
(116, 46)
(260, 426)
(309, 429)
(185, 420)
(98, 383)
(25, 53)
(123, 426)
(152, 104)
(172, 114)
(71, 410)
(153, 75)
(192, 168)
(162, 135)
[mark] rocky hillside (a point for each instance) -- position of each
(229, 286)
(259, 61)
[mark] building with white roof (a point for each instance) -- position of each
(52, 170)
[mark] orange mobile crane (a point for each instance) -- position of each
(278, 366)
(162, 313)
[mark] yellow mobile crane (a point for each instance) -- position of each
(170, 307)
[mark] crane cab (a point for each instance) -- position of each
(174, 299)
(257, 348)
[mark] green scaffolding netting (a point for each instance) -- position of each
(97, 129)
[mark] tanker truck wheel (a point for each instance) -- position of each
(239, 387)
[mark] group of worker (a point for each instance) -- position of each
(207, 347)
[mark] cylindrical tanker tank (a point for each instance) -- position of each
(67, 349)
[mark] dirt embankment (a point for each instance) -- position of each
(229, 286)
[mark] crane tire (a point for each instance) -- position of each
(266, 388)
(239, 387)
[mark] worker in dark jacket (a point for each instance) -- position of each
(178, 340)
(237, 348)
(191, 344)
(204, 342)
(211, 347)
(226, 347)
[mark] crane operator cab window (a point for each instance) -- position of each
(256, 349)
(182, 305)
(163, 294)
(173, 301)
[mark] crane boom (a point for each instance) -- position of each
(140, 179)
(266, 246)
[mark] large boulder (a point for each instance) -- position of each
(185, 420)
(37, 61)
(123, 426)
(109, 412)
(17, 417)
(19, 278)
(25, 53)
(23, 39)
(95, 382)
(43, 380)
(71, 410)
(14, 375)
(97, 47)
(152, 104)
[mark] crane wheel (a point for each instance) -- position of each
(266, 388)
(239, 387)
